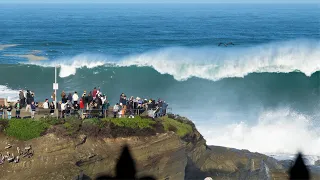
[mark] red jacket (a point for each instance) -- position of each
(94, 93)
(81, 104)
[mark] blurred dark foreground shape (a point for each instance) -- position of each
(126, 168)
(299, 170)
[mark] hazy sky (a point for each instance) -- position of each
(157, 1)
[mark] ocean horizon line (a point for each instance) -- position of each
(164, 3)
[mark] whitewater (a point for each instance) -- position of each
(210, 63)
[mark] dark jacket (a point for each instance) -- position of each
(29, 100)
(16, 106)
(51, 108)
(70, 97)
(9, 108)
(33, 107)
(90, 98)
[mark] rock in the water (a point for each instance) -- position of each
(317, 163)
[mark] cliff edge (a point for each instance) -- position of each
(175, 150)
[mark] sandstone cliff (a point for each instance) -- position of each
(164, 155)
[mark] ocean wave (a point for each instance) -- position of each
(212, 63)
(9, 94)
(280, 131)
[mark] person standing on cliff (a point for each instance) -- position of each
(89, 98)
(1, 111)
(22, 98)
(63, 97)
(69, 97)
(18, 107)
(52, 107)
(53, 98)
(32, 96)
(115, 110)
(29, 100)
(75, 98)
(33, 109)
(94, 93)
(9, 109)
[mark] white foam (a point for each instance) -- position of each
(9, 94)
(218, 63)
(69, 65)
(281, 131)
(212, 63)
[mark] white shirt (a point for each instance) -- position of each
(45, 105)
(116, 108)
(75, 97)
(63, 106)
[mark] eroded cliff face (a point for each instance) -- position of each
(164, 156)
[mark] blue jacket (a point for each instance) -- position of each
(33, 107)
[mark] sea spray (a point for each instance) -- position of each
(280, 131)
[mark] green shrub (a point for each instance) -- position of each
(134, 123)
(67, 125)
(25, 129)
(182, 129)
(51, 120)
(93, 121)
(72, 125)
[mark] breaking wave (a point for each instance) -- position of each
(281, 131)
(9, 94)
(212, 63)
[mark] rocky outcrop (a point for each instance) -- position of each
(164, 156)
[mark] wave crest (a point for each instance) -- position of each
(213, 63)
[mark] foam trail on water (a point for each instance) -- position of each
(212, 63)
(281, 131)
(9, 94)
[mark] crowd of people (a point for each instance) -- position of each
(89, 104)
